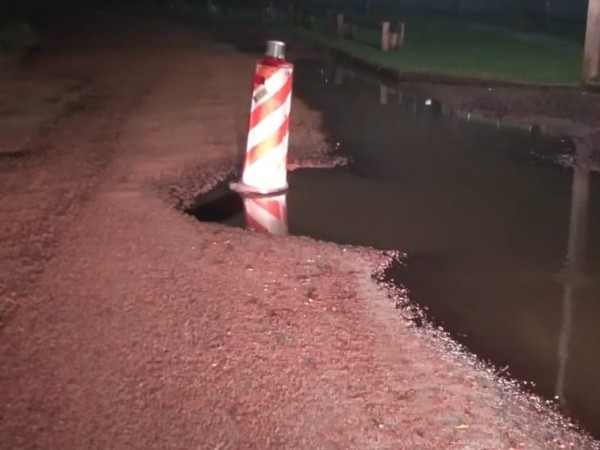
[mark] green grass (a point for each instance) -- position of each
(16, 36)
(459, 49)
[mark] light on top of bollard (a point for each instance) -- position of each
(275, 49)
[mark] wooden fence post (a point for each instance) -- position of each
(397, 37)
(385, 36)
(591, 53)
(401, 30)
(340, 26)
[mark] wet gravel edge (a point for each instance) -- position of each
(180, 192)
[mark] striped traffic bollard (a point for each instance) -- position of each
(267, 214)
(265, 163)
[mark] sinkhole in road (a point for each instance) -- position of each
(503, 244)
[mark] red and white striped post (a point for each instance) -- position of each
(267, 214)
(265, 163)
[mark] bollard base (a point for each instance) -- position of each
(246, 190)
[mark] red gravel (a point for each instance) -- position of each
(130, 325)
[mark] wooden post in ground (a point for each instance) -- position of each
(272, 12)
(591, 52)
(385, 36)
(401, 31)
(397, 37)
(393, 40)
(340, 26)
(267, 9)
(547, 13)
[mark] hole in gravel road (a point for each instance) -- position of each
(503, 247)
(219, 205)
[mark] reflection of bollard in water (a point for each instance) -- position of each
(267, 214)
(265, 163)
(383, 94)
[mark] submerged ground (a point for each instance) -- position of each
(127, 324)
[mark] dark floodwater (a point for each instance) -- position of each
(503, 248)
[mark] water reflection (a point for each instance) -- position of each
(470, 197)
(422, 105)
(267, 214)
(574, 269)
(383, 94)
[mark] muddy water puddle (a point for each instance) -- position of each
(503, 247)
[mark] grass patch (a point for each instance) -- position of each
(16, 36)
(460, 49)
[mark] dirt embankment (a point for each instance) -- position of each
(130, 325)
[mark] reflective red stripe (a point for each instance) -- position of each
(262, 74)
(263, 148)
(255, 224)
(271, 105)
(271, 206)
(267, 214)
